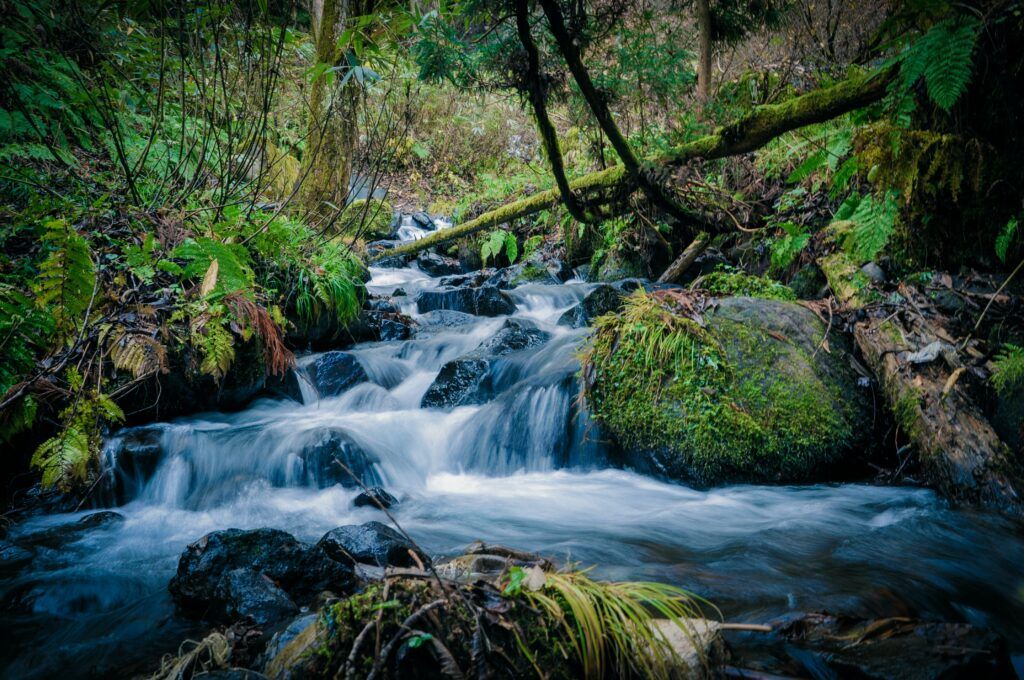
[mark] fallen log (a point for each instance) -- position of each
(919, 368)
(675, 270)
(751, 132)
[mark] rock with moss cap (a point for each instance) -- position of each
(369, 217)
(724, 390)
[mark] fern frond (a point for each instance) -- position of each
(1005, 238)
(217, 346)
(944, 58)
(24, 333)
(234, 269)
(874, 222)
(67, 276)
(139, 354)
(1008, 369)
(63, 459)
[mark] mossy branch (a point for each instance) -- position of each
(751, 132)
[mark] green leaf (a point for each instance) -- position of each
(1005, 239)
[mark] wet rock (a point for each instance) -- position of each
(399, 292)
(752, 397)
(330, 447)
(371, 543)
(246, 592)
(284, 386)
(58, 536)
(382, 304)
(284, 638)
(821, 645)
(423, 220)
(334, 372)
(433, 264)
(482, 560)
(560, 270)
(507, 277)
(375, 497)
(474, 279)
(374, 325)
(444, 318)
(210, 582)
(465, 380)
(601, 300)
(132, 456)
(482, 301)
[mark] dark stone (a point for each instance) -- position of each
(809, 282)
(602, 300)
(818, 645)
(375, 497)
(560, 270)
(380, 304)
(334, 372)
(474, 279)
(100, 519)
(283, 638)
(444, 318)
(132, 455)
(482, 301)
(231, 674)
(390, 329)
(246, 592)
(506, 277)
(373, 326)
(423, 220)
(284, 386)
(399, 292)
(336, 445)
(465, 380)
(207, 583)
(371, 543)
(433, 264)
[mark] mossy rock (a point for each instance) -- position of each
(616, 266)
(743, 393)
(734, 282)
(371, 217)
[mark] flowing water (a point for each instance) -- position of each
(525, 469)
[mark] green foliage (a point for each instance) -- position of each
(785, 248)
(943, 57)
(24, 333)
(1008, 369)
(65, 458)
(728, 281)
(217, 346)
(873, 219)
(67, 278)
(234, 268)
(612, 626)
(1006, 238)
(497, 241)
(141, 259)
(712, 397)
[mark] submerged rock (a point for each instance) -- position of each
(464, 380)
(334, 372)
(371, 543)
(482, 301)
(331, 446)
(741, 390)
(602, 300)
(232, 573)
(375, 497)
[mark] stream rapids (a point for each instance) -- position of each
(525, 469)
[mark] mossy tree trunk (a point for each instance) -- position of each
(704, 47)
(333, 107)
(749, 133)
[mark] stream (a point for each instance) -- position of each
(524, 469)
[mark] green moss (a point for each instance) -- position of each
(734, 282)
(849, 284)
(531, 272)
(726, 401)
(906, 408)
(370, 217)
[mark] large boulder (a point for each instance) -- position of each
(232, 573)
(334, 372)
(601, 300)
(372, 543)
(482, 301)
(464, 380)
(736, 389)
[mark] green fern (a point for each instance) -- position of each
(1006, 238)
(874, 221)
(17, 417)
(24, 332)
(67, 276)
(785, 249)
(65, 459)
(499, 240)
(217, 346)
(233, 263)
(944, 58)
(1008, 369)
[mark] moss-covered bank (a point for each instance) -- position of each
(736, 389)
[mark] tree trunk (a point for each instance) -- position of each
(327, 163)
(959, 452)
(688, 257)
(704, 47)
(747, 134)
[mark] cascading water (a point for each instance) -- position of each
(523, 468)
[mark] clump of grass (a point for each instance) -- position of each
(611, 626)
(728, 281)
